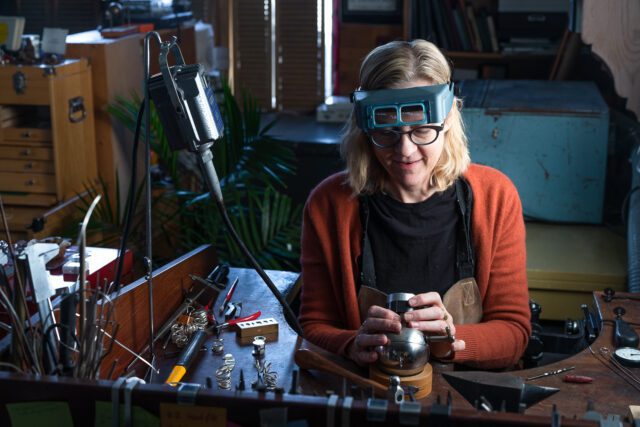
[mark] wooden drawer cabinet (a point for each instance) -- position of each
(47, 139)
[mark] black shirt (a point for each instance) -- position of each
(414, 244)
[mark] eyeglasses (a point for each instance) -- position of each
(422, 135)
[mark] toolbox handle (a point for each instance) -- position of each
(76, 105)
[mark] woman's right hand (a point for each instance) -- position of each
(371, 334)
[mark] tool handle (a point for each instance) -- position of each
(590, 324)
(253, 316)
(227, 297)
(219, 274)
(624, 335)
(232, 289)
(308, 359)
(186, 357)
(577, 379)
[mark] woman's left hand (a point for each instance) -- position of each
(431, 317)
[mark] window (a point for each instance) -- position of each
(278, 50)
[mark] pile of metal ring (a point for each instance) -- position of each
(223, 373)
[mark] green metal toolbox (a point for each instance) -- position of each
(549, 137)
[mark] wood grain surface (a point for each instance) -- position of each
(609, 392)
(612, 28)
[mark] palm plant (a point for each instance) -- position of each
(251, 167)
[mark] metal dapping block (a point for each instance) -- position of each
(497, 388)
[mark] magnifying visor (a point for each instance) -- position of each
(402, 107)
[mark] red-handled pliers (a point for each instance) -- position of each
(232, 322)
(227, 298)
(211, 317)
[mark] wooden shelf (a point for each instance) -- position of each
(496, 56)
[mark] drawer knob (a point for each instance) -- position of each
(26, 134)
(28, 165)
(26, 152)
(495, 133)
(31, 182)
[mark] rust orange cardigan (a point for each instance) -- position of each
(331, 245)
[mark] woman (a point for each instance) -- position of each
(411, 214)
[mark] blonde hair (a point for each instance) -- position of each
(385, 67)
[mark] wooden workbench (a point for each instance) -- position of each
(609, 393)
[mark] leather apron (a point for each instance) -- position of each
(462, 300)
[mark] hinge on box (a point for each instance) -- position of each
(49, 71)
(19, 82)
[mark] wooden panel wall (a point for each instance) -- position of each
(355, 41)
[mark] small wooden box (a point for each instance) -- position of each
(252, 328)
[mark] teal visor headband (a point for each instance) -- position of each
(402, 107)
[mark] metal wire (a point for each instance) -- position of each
(605, 357)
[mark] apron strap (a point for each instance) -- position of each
(464, 256)
(367, 267)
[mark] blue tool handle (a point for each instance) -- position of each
(187, 355)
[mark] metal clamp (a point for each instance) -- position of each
(187, 393)
(395, 391)
(332, 402)
(115, 401)
(131, 383)
(377, 409)
(347, 403)
(409, 413)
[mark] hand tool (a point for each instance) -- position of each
(219, 274)
(212, 285)
(232, 322)
(309, 359)
(227, 298)
(186, 357)
(174, 354)
(230, 311)
(591, 326)
(578, 379)
(549, 373)
(211, 317)
(241, 386)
